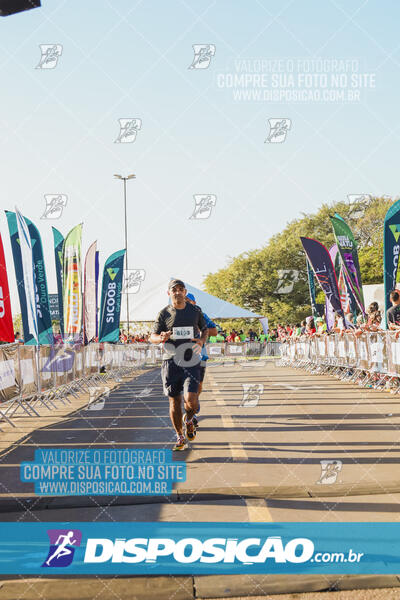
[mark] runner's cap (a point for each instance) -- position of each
(175, 282)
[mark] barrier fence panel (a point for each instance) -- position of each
(364, 351)
(86, 368)
(79, 361)
(379, 361)
(351, 343)
(60, 358)
(93, 351)
(9, 372)
(46, 375)
(234, 349)
(28, 370)
(374, 352)
(215, 350)
(393, 346)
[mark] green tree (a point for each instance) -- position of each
(257, 280)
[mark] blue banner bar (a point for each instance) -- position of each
(199, 548)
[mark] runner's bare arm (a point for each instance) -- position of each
(159, 338)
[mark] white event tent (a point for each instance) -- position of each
(145, 306)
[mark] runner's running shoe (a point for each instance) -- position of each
(180, 443)
(190, 428)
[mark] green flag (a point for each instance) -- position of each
(110, 309)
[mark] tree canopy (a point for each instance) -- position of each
(272, 280)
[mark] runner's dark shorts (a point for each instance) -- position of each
(178, 379)
(202, 373)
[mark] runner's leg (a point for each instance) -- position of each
(191, 404)
(175, 413)
(173, 377)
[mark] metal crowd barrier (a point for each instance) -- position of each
(246, 349)
(371, 359)
(32, 376)
(45, 375)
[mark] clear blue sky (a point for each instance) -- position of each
(127, 58)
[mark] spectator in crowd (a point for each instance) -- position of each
(393, 313)
(219, 337)
(374, 322)
(18, 338)
(310, 327)
(237, 338)
(297, 331)
(251, 335)
(321, 326)
(374, 317)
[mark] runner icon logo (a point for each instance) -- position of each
(50, 55)
(203, 205)
(203, 54)
(62, 547)
(330, 470)
(251, 393)
(132, 280)
(55, 204)
(278, 130)
(128, 129)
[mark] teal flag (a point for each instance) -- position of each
(110, 309)
(45, 329)
(58, 256)
(311, 287)
(19, 275)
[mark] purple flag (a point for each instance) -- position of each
(324, 271)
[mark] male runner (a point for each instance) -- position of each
(177, 326)
(212, 330)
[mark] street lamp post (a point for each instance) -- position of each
(125, 179)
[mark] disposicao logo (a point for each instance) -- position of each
(190, 550)
(62, 547)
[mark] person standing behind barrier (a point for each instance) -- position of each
(393, 313)
(178, 326)
(310, 327)
(251, 335)
(321, 326)
(18, 338)
(219, 338)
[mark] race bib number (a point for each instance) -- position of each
(182, 333)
